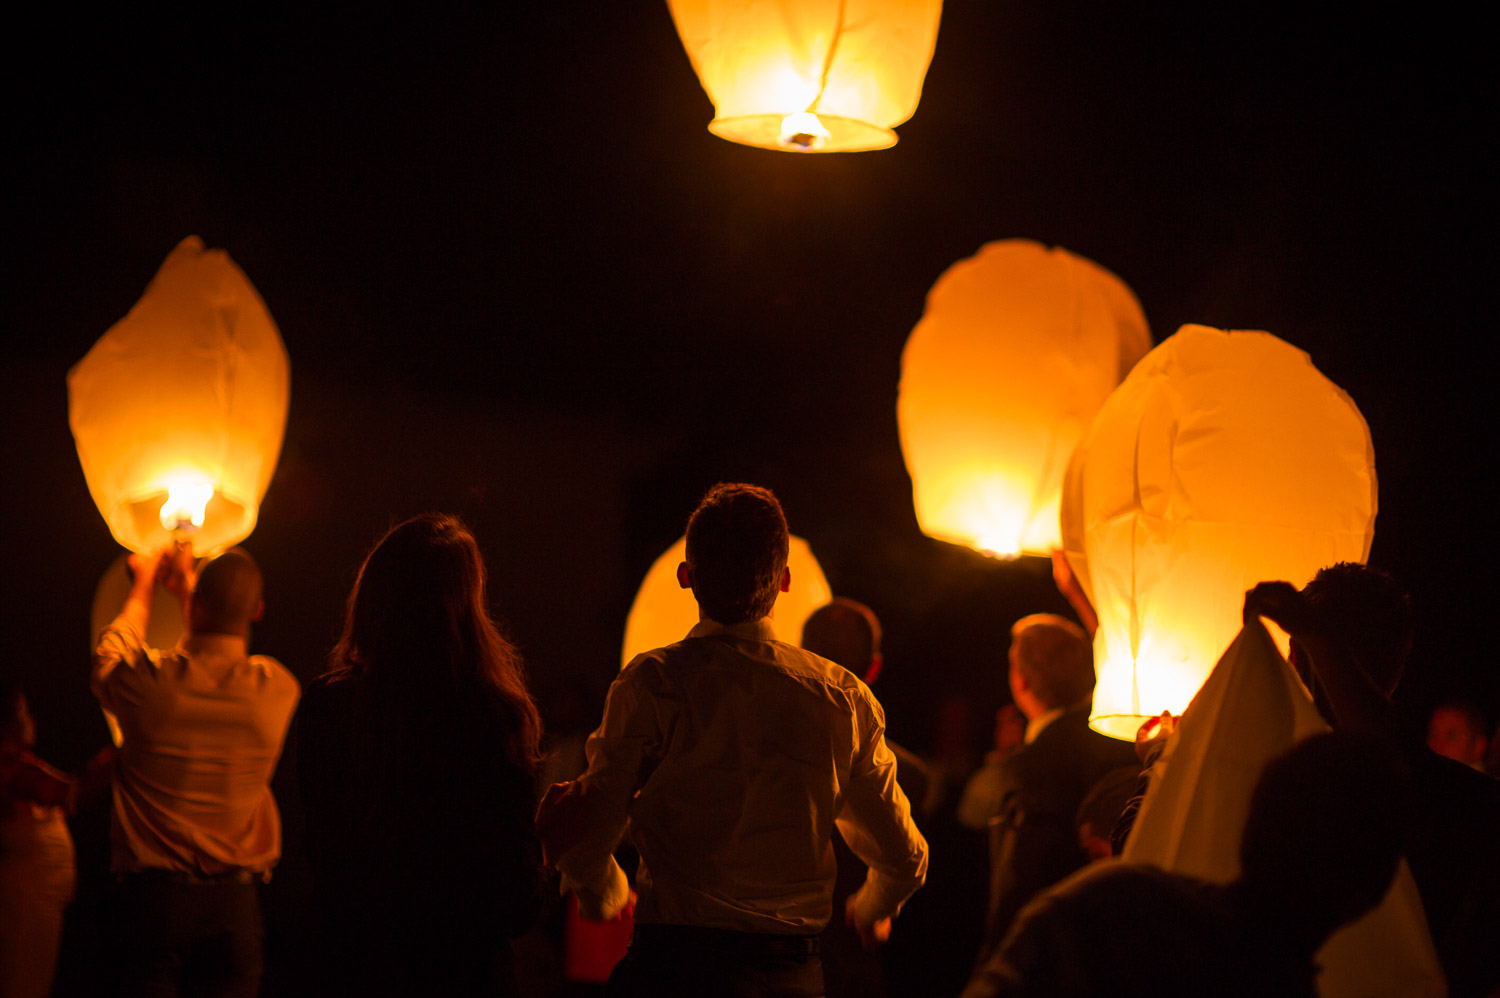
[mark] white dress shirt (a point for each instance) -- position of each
(730, 757)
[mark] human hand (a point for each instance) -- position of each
(1069, 586)
(177, 570)
(144, 567)
(1281, 603)
(1154, 731)
(870, 935)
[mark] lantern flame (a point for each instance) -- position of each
(804, 131)
(186, 501)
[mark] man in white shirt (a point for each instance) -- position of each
(729, 757)
(194, 828)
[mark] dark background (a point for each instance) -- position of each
(518, 280)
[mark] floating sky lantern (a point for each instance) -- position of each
(1223, 460)
(809, 75)
(178, 410)
(664, 612)
(1017, 349)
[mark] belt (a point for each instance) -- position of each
(729, 941)
(158, 875)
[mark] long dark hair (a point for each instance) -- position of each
(419, 632)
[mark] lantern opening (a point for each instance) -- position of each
(803, 131)
(185, 505)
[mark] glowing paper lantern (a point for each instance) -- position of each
(809, 75)
(1223, 460)
(178, 410)
(664, 612)
(1017, 349)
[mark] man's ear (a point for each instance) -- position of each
(260, 611)
(786, 579)
(684, 576)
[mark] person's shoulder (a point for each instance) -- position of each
(276, 675)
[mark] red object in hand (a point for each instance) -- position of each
(591, 949)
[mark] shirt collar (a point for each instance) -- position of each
(212, 645)
(752, 630)
(1035, 725)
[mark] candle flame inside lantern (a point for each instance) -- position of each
(803, 130)
(186, 501)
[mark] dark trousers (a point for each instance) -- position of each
(668, 961)
(178, 937)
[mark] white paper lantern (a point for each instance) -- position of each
(1223, 460)
(178, 410)
(809, 75)
(1017, 349)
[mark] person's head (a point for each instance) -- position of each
(418, 624)
(1366, 611)
(846, 632)
(1101, 809)
(227, 595)
(1051, 664)
(736, 553)
(1328, 823)
(1456, 729)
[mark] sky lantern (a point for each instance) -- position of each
(809, 75)
(1224, 459)
(178, 410)
(1017, 349)
(663, 612)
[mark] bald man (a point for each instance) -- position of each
(194, 829)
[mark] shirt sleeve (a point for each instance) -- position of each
(592, 816)
(118, 659)
(876, 823)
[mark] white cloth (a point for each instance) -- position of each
(731, 756)
(203, 726)
(1250, 710)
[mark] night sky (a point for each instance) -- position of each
(520, 281)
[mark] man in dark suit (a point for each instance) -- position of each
(1034, 833)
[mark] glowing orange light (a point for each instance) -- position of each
(185, 504)
(1018, 347)
(178, 410)
(856, 65)
(1223, 460)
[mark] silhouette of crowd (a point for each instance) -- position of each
(737, 815)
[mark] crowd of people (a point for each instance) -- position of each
(738, 808)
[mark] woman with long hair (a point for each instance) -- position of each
(416, 755)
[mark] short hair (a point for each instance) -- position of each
(736, 552)
(1366, 611)
(1053, 655)
(844, 631)
(227, 593)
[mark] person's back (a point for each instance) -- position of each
(1034, 840)
(731, 756)
(415, 761)
(194, 826)
(1320, 847)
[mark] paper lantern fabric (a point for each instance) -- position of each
(1251, 709)
(1017, 349)
(857, 65)
(189, 390)
(664, 612)
(1224, 459)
